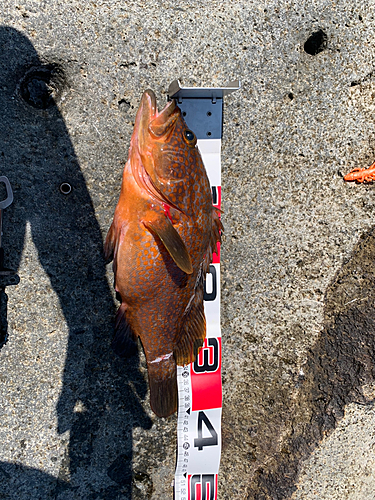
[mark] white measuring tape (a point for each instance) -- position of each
(199, 384)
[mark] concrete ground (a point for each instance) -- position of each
(298, 255)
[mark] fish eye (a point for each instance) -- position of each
(189, 137)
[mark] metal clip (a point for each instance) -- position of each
(9, 199)
(4, 271)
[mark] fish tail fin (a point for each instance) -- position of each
(124, 341)
(162, 376)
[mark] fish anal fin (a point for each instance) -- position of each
(172, 241)
(124, 342)
(193, 331)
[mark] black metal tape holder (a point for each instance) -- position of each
(202, 107)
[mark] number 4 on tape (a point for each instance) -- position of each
(201, 441)
(199, 384)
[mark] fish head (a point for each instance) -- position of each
(164, 149)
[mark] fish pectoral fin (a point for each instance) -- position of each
(193, 331)
(172, 241)
(124, 341)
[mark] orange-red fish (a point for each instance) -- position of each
(162, 237)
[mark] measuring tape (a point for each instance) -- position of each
(199, 384)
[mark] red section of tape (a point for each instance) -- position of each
(216, 257)
(206, 376)
(209, 491)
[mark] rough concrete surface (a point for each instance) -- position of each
(298, 255)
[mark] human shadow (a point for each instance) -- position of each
(18, 481)
(100, 399)
(337, 368)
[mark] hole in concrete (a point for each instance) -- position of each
(128, 64)
(143, 485)
(65, 188)
(208, 134)
(124, 105)
(291, 96)
(316, 43)
(42, 85)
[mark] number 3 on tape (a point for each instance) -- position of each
(199, 384)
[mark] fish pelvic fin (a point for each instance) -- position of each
(124, 342)
(162, 376)
(163, 228)
(193, 331)
(110, 243)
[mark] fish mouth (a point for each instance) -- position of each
(158, 125)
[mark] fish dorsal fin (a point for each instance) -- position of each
(163, 228)
(193, 331)
(215, 238)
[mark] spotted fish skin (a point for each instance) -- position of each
(162, 237)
